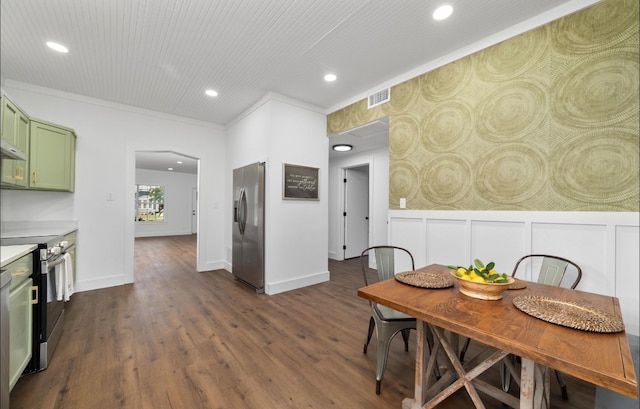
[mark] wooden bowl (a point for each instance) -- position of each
(483, 291)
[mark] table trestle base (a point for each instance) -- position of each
(429, 391)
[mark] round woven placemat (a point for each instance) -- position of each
(568, 314)
(518, 284)
(425, 279)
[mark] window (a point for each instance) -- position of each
(149, 203)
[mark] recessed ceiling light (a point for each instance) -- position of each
(58, 47)
(211, 93)
(330, 77)
(442, 12)
(179, 162)
(169, 168)
(342, 147)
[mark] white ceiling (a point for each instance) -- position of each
(161, 55)
(163, 160)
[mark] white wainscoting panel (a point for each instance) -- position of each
(410, 234)
(627, 281)
(498, 241)
(447, 240)
(605, 245)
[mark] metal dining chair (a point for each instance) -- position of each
(386, 321)
(553, 271)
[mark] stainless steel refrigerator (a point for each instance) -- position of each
(248, 225)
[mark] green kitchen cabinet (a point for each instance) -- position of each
(52, 156)
(15, 131)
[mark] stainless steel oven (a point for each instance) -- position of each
(48, 313)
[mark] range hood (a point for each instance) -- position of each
(11, 152)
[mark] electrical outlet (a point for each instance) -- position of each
(403, 203)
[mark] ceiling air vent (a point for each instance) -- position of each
(379, 97)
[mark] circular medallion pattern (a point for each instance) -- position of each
(337, 122)
(446, 179)
(404, 134)
(511, 111)
(446, 127)
(403, 179)
(604, 23)
(596, 166)
(402, 97)
(513, 57)
(600, 90)
(446, 81)
(510, 174)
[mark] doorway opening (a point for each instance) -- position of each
(356, 211)
(177, 173)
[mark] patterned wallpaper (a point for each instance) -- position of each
(546, 121)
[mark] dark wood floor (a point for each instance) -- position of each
(182, 339)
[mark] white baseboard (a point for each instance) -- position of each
(299, 282)
(213, 265)
(103, 282)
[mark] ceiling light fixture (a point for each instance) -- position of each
(57, 47)
(442, 12)
(169, 168)
(211, 93)
(179, 162)
(330, 77)
(342, 148)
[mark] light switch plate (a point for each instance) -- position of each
(403, 203)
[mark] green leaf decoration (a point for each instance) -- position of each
(490, 266)
(501, 281)
(493, 277)
(478, 264)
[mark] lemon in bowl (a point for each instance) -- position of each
(482, 282)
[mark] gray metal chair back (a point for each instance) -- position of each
(552, 270)
(385, 261)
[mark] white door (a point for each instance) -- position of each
(194, 210)
(356, 208)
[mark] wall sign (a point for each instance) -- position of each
(299, 182)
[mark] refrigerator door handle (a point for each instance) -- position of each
(237, 211)
(242, 211)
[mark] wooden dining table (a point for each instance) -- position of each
(601, 358)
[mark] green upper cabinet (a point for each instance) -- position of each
(15, 130)
(52, 155)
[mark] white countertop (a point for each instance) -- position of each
(36, 228)
(12, 253)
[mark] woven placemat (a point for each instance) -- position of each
(425, 278)
(518, 284)
(568, 314)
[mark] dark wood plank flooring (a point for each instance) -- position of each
(182, 339)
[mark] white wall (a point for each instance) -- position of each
(279, 130)
(177, 202)
(604, 245)
(108, 136)
(378, 161)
